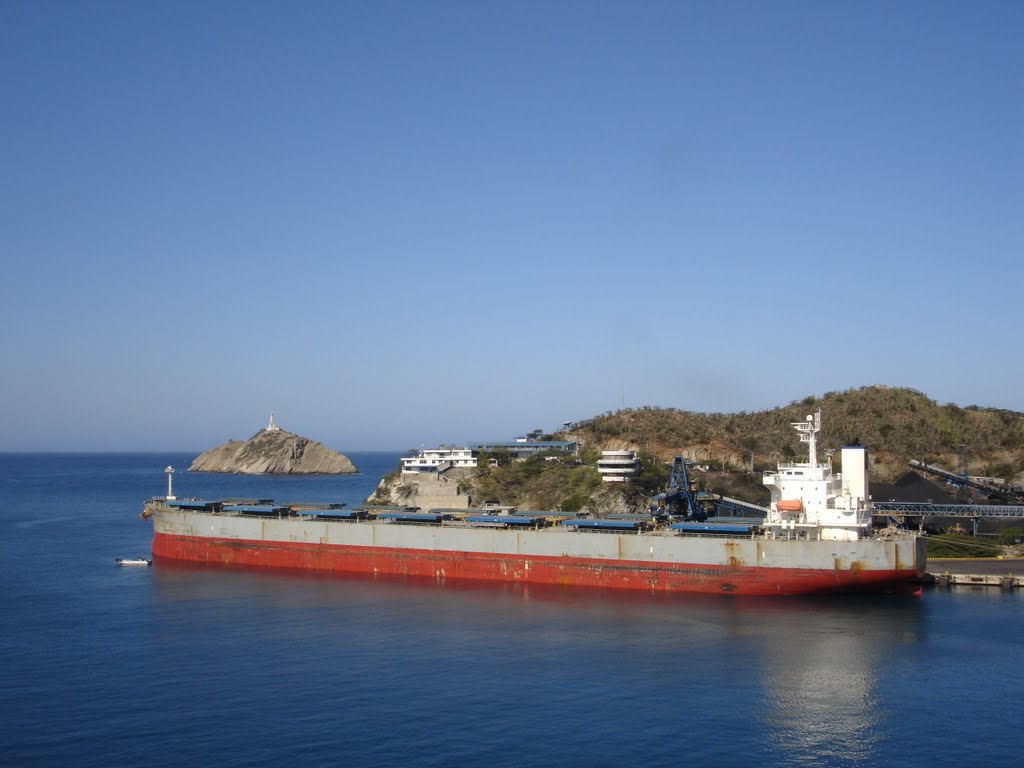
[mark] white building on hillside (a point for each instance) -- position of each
(439, 459)
(618, 466)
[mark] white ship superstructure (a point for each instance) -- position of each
(810, 501)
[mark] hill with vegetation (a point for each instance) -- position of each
(731, 450)
(895, 424)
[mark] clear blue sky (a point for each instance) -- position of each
(398, 223)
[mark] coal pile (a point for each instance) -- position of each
(914, 488)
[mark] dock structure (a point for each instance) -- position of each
(1005, 573)
(978, 580)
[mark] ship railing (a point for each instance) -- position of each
(715, 535)
(795, 465)
(286, 516)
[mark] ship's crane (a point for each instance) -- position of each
(680, 498)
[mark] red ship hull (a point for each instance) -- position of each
(569, 571)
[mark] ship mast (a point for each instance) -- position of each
(808, 431)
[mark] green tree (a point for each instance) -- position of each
(1008, 536)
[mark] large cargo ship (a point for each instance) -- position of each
(816, 538)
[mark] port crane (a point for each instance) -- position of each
(680, 498)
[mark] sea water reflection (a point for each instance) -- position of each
(821, 672)
(783, 681)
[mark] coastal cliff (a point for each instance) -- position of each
(273, 451)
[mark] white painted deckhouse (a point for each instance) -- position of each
(810, 501)
(618, 466)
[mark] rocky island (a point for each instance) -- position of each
(274, 451)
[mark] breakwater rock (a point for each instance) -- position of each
(274, 451)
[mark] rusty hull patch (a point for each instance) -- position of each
(732, 558)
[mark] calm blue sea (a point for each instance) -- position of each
(181, 665)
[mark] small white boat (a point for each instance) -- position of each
(134, 561)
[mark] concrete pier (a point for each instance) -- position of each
(1004, 573)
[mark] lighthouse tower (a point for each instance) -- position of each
(271, 426)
